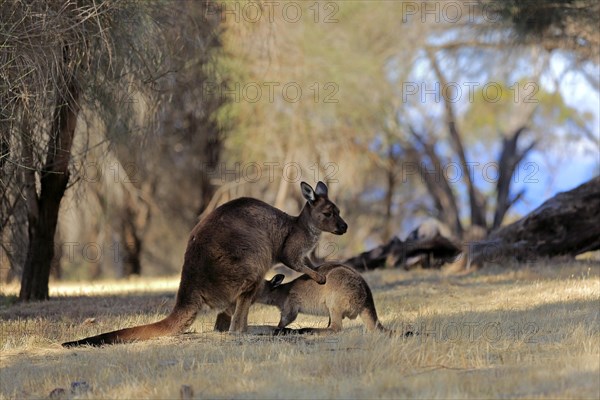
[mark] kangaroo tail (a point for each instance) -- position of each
(369, 314)
(177, 322)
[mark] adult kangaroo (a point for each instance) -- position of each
(345, 294)
(227, 256)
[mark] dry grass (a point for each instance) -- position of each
(530, 332)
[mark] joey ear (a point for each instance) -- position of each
(276, 280)
(307, 192)
(321, 189)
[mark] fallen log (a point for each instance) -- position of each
(395, 253)
(566, 224)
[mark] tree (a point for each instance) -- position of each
(460, 128)
(423, 151)
(372, 134)
(172, 169)
(570, 25)
(57, 60)
(54, 177)
(330, 130)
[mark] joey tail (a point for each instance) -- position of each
(369, 314)
(177, 322)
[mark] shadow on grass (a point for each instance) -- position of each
(8, 300)
(549, 324)
(545, 323)
(76, 308)
(489, 276)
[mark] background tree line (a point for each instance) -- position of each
(122, 122)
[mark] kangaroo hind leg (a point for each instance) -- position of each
(239, 320)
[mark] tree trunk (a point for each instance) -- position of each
(566, 224)
(134, 224)
(510, 157)
(436, 182)
(4, 149)
(212, 154)
(132, 246)
(389, 194)
(54, 179)
(476, 199)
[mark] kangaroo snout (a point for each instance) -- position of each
(341, 228)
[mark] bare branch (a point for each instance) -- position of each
(477, 208)
(436, 183)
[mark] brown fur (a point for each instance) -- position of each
(344, 295)
(227, 256)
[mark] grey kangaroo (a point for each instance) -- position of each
(227, 256)
(345, 294)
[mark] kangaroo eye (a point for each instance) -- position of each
(327, 214)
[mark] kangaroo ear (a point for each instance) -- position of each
(276, 280)
(321, 189)
(307, 192)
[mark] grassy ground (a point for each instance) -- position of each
(528, 332)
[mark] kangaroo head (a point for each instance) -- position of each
(323, 213)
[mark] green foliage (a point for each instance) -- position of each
(340, 64)
(498, 108)
(368, 53)
(570, 25)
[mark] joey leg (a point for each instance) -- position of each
(335, 320)
(224, 319)
(287, 317)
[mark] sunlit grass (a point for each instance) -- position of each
(505, 332)
(104, 287)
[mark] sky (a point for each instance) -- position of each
(566, 164)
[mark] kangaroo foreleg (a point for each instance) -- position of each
(305, 266)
